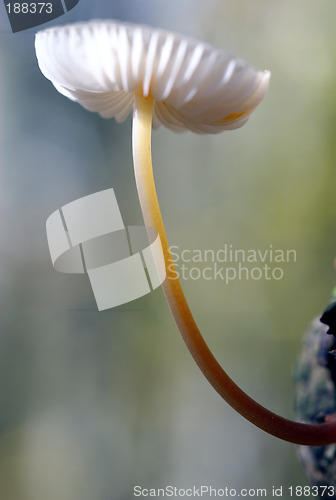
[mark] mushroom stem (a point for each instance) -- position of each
(288, 430)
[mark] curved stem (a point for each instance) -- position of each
(288, 430)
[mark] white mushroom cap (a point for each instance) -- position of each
(196, 87)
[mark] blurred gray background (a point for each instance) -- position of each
(92, 404)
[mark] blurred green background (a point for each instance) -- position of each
(94, 403)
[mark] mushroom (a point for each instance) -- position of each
(166, 79)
